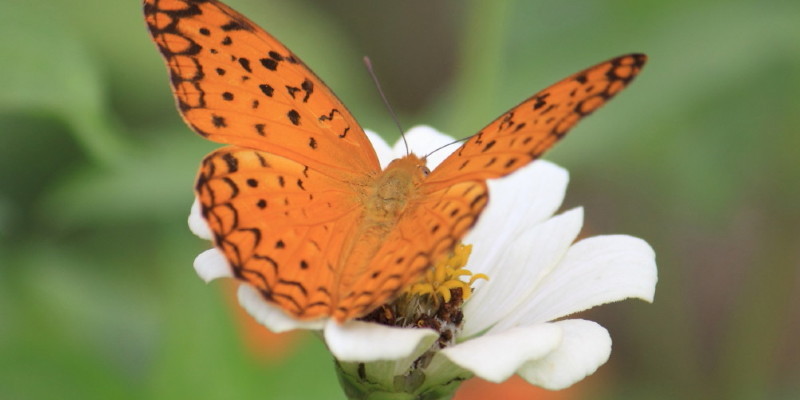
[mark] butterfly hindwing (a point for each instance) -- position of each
(280, 225)
(236, 84)
(428, 230)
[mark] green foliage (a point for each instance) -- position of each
(699, 157)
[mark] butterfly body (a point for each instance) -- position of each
(394, 187)
(297, 201)
(386, 199)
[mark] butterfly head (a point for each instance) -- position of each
(413, 166)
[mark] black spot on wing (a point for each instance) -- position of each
(266, 89)
(260, 129)
(231, 161)
(541, 101)
(294, 117)
(218, 121)
(245, 63)
(269, 63)
(307, 87)
(233, 25)
(292, 90)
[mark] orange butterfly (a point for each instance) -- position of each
(297, 201)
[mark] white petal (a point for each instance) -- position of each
(211, 264)
(534, 193)
(423, 140)
(367, 342)
(198, 224)
(585, 347)
(496, 357)
(519, 270)
(270, 315)
(595, 271)
(382, 149)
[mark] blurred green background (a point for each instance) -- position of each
(98, 298)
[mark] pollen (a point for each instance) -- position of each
(448, 274)
(434, 301)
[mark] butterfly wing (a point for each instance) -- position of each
(279, 225)
(455, 193)
(236, 84)
(281, 200)
(526, 131)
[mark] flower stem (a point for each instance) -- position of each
(357, 385)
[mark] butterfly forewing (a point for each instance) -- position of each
(236, 84)
(526, 131)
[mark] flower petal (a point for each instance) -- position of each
(382, 149)
(526, 260)
(422, 140)
(595, 271)
(585, 347)
(534, 193)
(269, 315)
(211, 264)
(198, 224)
(367, 342)
(496, 357)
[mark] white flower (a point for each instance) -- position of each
(537, 275)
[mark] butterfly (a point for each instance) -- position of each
(297, 201)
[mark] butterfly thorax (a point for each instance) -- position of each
(393, 188)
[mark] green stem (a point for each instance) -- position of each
(358, 386)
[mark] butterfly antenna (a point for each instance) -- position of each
(449, 144)
(371, 71)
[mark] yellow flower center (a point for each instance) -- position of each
(447, 275)
(435, 301)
